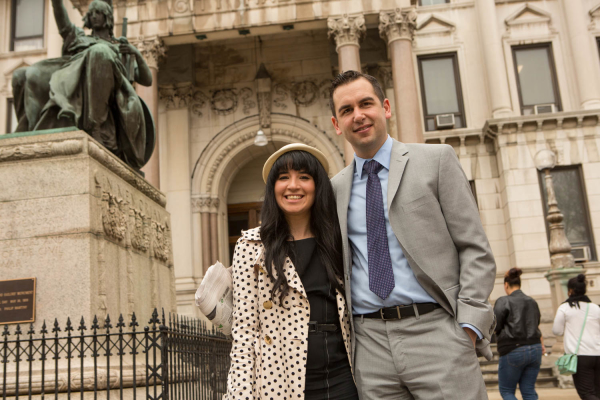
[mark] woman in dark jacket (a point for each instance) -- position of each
(520, 342)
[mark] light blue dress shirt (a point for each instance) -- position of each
(407, 289)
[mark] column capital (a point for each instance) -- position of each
(152, 48)
(176, 96)
(214, 205)
(347, 29)
(397, 24)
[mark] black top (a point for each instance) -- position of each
(326, 358)
(517, 321)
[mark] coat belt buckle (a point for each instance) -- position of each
(312, 326)
(391, 319)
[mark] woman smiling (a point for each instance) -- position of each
(290, 320)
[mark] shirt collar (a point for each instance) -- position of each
(382, 156)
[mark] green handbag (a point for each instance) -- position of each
(567, 363)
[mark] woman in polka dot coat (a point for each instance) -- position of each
(270, 356)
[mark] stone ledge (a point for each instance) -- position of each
(68, 142)
(541, 122)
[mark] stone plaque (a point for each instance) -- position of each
(17, 301)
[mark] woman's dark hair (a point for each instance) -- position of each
(324, 225)
(513, 277)
(578, 285)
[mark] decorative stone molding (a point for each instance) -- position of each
(347, 29)
(303, 93)
(176, 96)
(152, 49)
(118, 167)
(214, 205)
(140, 230)
(160, 242)
(595, 18)
(529, 18)
(435, 24)
(41, 150)
(397, 24)
(7, 88)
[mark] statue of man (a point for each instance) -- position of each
(89, 87)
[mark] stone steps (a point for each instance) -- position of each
(489, 369)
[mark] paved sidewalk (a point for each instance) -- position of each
(544, 394)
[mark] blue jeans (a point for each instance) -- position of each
(520, 366)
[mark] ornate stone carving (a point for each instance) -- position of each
(281, 95)
(225, 101)
(231, 146)
(40, 150)
(199, 100)
(397, 24)
(160, 242)
(140, 231)
(214, 205)
(152, 49)
(247, 102)
(264, 109)
(176, 96)
(347, 29)
(305, 93)
(124, 172)
(114, 219)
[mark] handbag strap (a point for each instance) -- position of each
(583, 327)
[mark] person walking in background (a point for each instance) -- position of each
(520, 342)
(569, 321)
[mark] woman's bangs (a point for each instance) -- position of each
(298, 161)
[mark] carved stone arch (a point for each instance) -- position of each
(234, 146)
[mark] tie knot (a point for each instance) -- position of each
(372, 167)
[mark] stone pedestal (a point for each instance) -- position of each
(558, 279)
(94, 233)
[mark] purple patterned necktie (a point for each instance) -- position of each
(381, 275)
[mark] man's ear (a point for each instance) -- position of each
(334, 121)
(388, 109)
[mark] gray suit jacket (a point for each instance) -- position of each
(435, 218)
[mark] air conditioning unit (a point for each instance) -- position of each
(581, 253)
(544, 109)
(444, 121)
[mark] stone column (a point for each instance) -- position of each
(152, 50)
(178, 189)
(347, 31)
(397, 27)
(197, 251)
(495, 66)
(582, 54)
(214, 229)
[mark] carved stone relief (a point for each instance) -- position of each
(140, 231)
(40, 150)
(304, 93)
(397, 24)
(152, 49)
(114, 216)
(347, 29)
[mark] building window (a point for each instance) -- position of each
(11, 116)
(572, 202)
(536, 79)
(241, 217)
(432, 2)
(441, 92)
(27, 31)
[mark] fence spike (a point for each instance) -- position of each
(107, 323)
(5, 332)
(95, 323)
(154, 320)
(18, 331)
(69, 327)
(120, 324)
(31, 330)
(82, 325)
(56, 328)
(133, 322)
(44, 329)
(163, 316)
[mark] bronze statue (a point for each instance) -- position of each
(89, 87)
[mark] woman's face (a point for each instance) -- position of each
(295, 193)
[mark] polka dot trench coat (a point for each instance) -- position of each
(268, 354)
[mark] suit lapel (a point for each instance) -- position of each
(398, 161)
(343, 200)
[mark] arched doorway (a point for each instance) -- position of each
(232, 152)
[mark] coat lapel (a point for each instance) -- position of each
(398, 161)
(344, 189)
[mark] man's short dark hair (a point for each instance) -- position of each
(350, 76)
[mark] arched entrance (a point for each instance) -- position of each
(220, 163)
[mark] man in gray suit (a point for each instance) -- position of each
(418, 266)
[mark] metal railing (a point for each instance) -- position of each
(170, 358)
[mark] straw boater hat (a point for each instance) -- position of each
(291, 147)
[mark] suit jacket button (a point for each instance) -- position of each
(268, 339)
(268, 304)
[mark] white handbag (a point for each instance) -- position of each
(214, 297)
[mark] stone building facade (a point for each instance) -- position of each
(498, 80)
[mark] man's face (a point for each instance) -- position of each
(361, 117)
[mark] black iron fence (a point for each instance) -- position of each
(172, 357)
